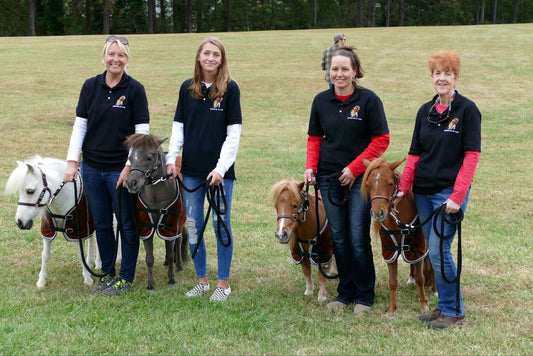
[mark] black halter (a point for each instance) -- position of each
(45, 190)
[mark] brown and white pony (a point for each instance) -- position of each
(395, 226)
(297, 227)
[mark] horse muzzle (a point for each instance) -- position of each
(24, 225)
(284, 237)
(380, 216)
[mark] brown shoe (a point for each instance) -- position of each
(426, 318)
(445, 321)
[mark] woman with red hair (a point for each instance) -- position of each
(440, 166)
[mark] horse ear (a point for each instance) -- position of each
(30, 168)
(366, 162)
(163, 140)
(396, 164)
(301, 185)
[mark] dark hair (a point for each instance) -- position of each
(349, 51)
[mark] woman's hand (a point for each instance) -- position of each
(216, 178)
(124, 174)
(347, 177)
(71, 171)
(171, 169)
(309, 176)
(397, 199)
(451, 207)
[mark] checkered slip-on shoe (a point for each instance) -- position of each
(220, 294)
(198, 290)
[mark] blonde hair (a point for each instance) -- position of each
(222, 78)
(124, 48)
(445, 60)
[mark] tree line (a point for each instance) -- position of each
(79, 17)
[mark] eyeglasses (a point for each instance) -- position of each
(122, 40)
(440, 117)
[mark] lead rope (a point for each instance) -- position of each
(214, 195)
(318, 233)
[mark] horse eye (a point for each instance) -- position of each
(295, 206)
(30, 191)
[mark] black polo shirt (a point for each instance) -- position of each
(347, 127)
(442, 146)
(111, 114)
(204, 128)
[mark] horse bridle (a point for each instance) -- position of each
(45, 190)
(393, 196)
(304, 206)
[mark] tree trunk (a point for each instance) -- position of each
(163, 16)
(31, 18)
(189, 16)
(152, 19)
(88, 17)
(387, 13)
(516, 11)
(401, 13)
(494, 11)
(108, 4)
(360, 14)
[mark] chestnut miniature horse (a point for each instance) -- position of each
(397, 228)
(297, 227)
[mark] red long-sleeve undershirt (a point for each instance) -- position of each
(376, 148)
(462, 182)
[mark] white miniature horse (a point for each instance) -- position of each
(39, 184)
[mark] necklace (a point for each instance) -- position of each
(440, 119)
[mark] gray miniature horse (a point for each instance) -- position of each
(159, 205)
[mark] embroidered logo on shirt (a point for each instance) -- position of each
(452, 124)
(354, 114)
(216, 104)
(120, 102)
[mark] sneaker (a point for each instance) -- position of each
(198, 290)
(121, 285)
(426, 318)
(105, 282)
(220, 294)
(361, 308)
(445, 321)
(336, 305)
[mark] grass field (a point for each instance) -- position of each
(279, 74)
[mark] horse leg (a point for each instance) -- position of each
(306, 269)
(429, 276)
(45, 257)
(149, 249)
(322, 283)
(411, 279)
(93, 258)
(420, 282)
(393, 284)
(86, 274)
(169, 259)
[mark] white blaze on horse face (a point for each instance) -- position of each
(378, 176)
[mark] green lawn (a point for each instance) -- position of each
(279, 74)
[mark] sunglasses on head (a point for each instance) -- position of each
(122, 40)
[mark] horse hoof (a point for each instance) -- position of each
(150, 288)
(41, 286)
(322, 299)
(390, 314)
(411, 280)
(307, 292)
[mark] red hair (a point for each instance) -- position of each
(445, 60)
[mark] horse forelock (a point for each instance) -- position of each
(18, 177)
(375, 164)
(141, 141)
(290, 185)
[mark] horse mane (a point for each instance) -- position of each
(290, 185)
(376, 163)
(16, 179)
(142, 140)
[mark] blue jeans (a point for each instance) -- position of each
(194, 206)
(426, 204)
(350, 232)
(102, 196)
